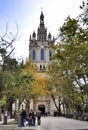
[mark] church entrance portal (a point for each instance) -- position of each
(42, 109)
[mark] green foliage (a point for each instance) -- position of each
(3, 101)
(84, 15)
(69, 30)
(71, 61)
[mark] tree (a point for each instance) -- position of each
(53, 85)
(72, 57)
(9, 81)
(6, 45)
(34, 84)
(6, 49)
(39, 86)
(84, 16)
(70, 62)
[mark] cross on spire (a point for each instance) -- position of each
(41, 9)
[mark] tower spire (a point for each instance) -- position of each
(41, 18)
(41, 9)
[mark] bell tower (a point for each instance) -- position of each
(40, 46)
(42, 31)
(40, 53)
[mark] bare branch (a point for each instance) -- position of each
(2, 37)
(6, 42)
(10, 53)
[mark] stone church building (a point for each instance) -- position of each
(40, 53)
(40, 46)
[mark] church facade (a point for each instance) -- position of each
(40, 53)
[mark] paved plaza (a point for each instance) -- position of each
(53, 123)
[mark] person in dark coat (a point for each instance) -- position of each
(23, 117)
(32, 118)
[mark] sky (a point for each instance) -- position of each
(26, 14)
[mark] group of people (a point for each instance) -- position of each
(30, 119)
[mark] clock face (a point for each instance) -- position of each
(42, 46)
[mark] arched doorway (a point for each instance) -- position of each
(42, 109)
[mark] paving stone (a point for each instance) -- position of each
(15, 128)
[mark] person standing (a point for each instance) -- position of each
(39, 118)
(32, 118)
(23, 117)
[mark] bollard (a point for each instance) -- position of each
(19, 120)
(5, 120)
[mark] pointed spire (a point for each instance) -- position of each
(41, 17)
(49, 36)
(53, 38)
(30, 36)
(34, 36)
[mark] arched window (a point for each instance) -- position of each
(33, 55)
(42, 54)
(50, 55)
(40, 67)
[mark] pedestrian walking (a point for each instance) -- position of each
(39, 117)
(32, 118)
(23, 117)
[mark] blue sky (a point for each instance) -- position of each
(26, 14)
